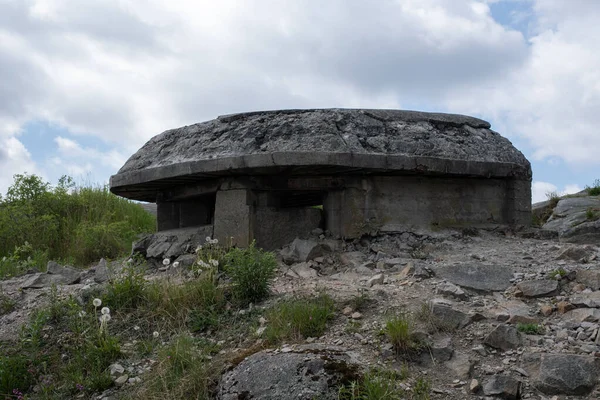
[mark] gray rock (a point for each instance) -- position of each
(591, 300)
(186, 260)
(478, 277)
(301, 373)
(69, 275)
(445, 316)
(502, 386)
(504, 337)
(304, 270)
(539, 288)
(590, 278)
(582, 315)
(577, 253)
(441, 349)
(570, 220)
(172, 243)
(450, 290)
(102, 274)
(375, 280)
(353, 259)
(302, 250)
(460, 365)
(561, 373)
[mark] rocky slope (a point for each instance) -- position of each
(503, 316)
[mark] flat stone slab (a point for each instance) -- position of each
(324, 140)
(478, 277)
(538, 288)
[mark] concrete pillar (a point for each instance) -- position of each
(234, 217)
(345, 212)
(167, 215)
(518, 198)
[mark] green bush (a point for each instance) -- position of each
(594, 190)
(399, 330)
(251, 271)
(298, 318)
(531, 329)
(66, 222)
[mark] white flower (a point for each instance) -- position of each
(97, 302)
(104, 318)
(215, 241)
(105, 311)
(176, 264)
(214, 263)
(166, 262)
(136, 328)
(155, 334)
(208, 239)
(199, 249)
(82, 313)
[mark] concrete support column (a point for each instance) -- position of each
(518, 198)
(345, 212)
(234, 216)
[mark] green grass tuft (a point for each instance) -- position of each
(531, 329)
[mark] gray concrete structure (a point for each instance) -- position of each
(272, 176)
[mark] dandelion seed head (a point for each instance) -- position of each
(97, 302)
(208, 240)
(166, 262)
(176, 264)
(105, 318)
(105, 311)
(155, 334)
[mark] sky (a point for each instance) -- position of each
(84, 84)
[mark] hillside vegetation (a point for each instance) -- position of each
(76, 224)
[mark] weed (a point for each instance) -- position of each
(374, 385)
(594, 190)
(553, 197)
(421, 389)
(557, 273)
(361, 301)
(127, 290)
(297, 318)
(251, 271)
(7, 305)
(400, 332)
(353, 326)
(531, 329)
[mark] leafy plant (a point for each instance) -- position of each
(531, 329)
(557, 273)
(594, 190)
(374, 385)
(251, 271)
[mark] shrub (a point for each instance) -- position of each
(374, 385)
(128, 289)
(251, 271)
(66, 222)
(298, 318)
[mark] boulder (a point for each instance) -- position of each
(55, 275)
(591, 300)
(102, 273)
(554, 374)
(69, 275)
(504, 337)
(570, 220)
(302, 250)
(460, 365)
(299, 373)
(538, 288)
(450, 290)
(502, 386)
(353, 259)
(582, 315)
(478, 277)
(445, 316)
(577, 253)
(590, 278)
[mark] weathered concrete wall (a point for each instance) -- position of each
(276, 227)
(399, 202)
(234, 217)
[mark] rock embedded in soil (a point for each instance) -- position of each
(538, 288)
(502, 386)
(568, 374)
(302, 250)
(504, 337)
(445, 316)
(302, 373)
(478, 277)
(590, 278)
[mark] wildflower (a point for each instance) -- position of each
(82, 313)
(136, 328)
(208, 240)
(214, 263)
(215, 241)
(166, 262)
(155, 334)
(176, 264)
(104, 318)
(199, 249)
(105, 311)
(79, 387)
(97, 302)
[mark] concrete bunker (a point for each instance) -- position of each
(276, 175)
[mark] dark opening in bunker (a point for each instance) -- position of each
(195, 211)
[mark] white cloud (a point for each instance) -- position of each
(14, 159)
(540, 191)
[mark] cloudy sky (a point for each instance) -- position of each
(83, 84)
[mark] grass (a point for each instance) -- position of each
(378, 384)
(299, 318)
(594, 190)
(531, 329)
(591, 214)
(68, 223)
(399, 330)
(7, 305)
